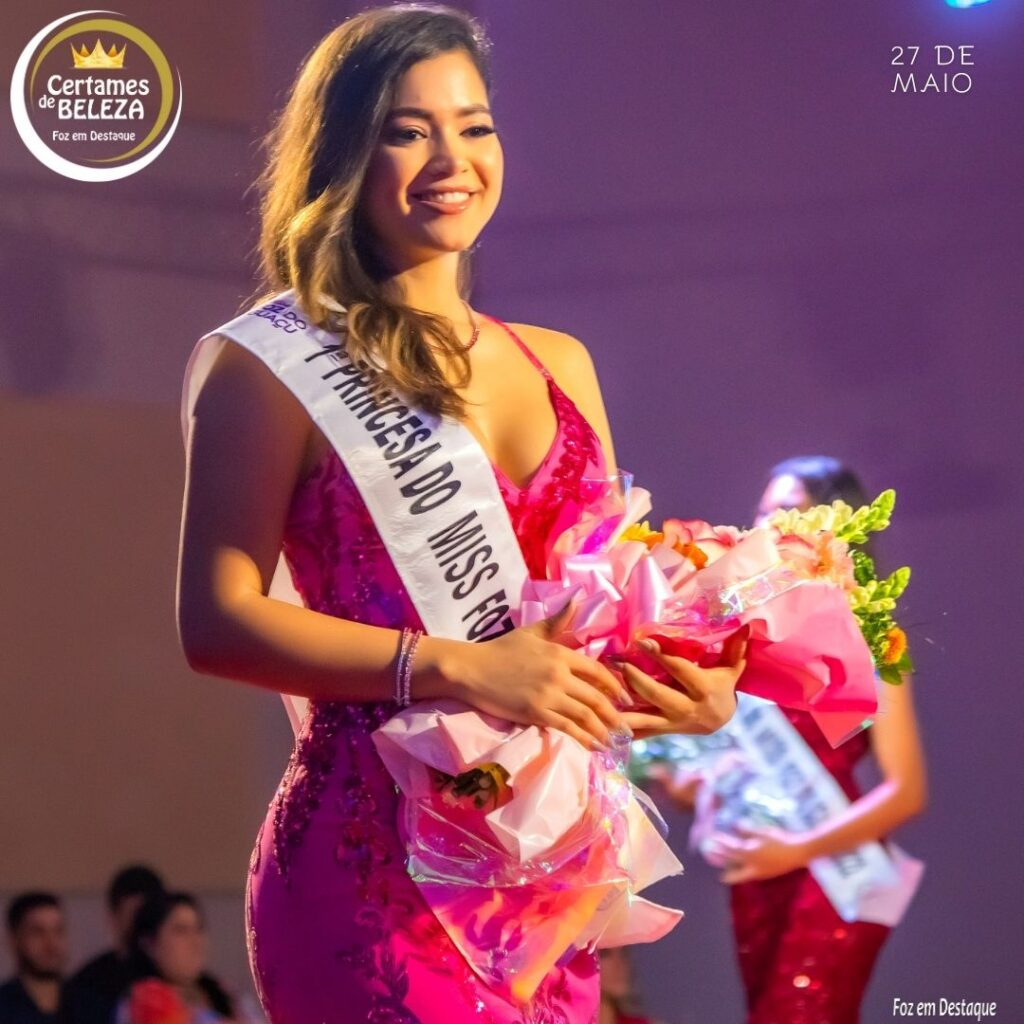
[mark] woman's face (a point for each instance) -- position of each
(785, 491)
(439, 136)
(179, 948)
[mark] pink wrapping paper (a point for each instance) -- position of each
(557, 866)
(558, 861)
(806, 650)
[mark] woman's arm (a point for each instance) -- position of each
(247, 438)
(246, 445)
(903, 791)
(902, 794)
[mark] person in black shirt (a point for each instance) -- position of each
(106, 977)
(37, 933)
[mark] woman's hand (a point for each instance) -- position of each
(758, 853)
(709, 697)
(526, 677)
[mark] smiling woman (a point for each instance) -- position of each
(364, 213)
(315, 432)
(447, 196)
(370, 222)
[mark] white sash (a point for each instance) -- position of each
(867, 883)
(426, 481)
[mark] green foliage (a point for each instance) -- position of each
(872, 600)
(867, 519)
(878, 595)
(863, 566)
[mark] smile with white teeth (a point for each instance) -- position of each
(444, 197)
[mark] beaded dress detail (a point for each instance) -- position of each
(337, 931)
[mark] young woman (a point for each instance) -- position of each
(384, 167)
(799, 960)
(167, 949)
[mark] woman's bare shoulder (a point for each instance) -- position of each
(552, 347)
(241, 393)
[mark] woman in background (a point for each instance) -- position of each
(168, 949)
(800, 962)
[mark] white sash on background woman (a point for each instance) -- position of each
(869, 882)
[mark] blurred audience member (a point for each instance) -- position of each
(37, 934)
(168, 948)
(108, 975)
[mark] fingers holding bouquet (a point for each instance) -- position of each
(822, 619)
(704, 700)
(527, 676)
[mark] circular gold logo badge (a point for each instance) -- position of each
(94, 98)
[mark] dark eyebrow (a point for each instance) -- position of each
(476, 108)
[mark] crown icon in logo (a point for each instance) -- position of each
(99, 58)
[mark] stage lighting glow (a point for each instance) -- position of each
(965, 3)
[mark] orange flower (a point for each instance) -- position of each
(693, 553)
(643, 533)
(709, 542)
(896, 645)
(835, 562)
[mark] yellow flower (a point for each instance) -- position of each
(643, 533)
(494, 778)
(896, 645)
(813, 520)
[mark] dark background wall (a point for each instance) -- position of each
(767, 251)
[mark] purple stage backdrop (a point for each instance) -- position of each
(768, 252)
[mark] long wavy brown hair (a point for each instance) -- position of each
(313, 236)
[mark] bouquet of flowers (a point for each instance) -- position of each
(835, 532)
(821, 622)
(528, 847)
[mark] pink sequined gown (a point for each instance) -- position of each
(337, 931)
(801, 962)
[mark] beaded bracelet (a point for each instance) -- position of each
(407, 667)
(402, 645)
(403, 671)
